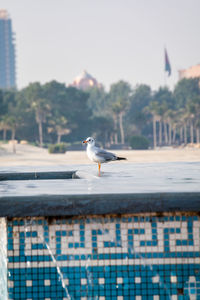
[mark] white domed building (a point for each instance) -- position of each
(85, 81)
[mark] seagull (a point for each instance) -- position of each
(98, 155)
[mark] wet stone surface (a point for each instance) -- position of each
(121, 188)
(115, 178)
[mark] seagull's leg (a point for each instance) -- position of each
(99, 166)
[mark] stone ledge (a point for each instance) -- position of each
(37, 175)
(97, 204)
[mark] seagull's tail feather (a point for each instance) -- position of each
(121, 158)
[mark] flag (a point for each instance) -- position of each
(167, 64)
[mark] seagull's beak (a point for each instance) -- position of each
(84, 142)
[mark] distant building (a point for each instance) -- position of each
(7, 52)
(191, 72)
(85, 81)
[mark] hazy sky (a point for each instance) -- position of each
(111, 39)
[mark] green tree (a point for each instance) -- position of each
(75, 109)
(119, 100)
(194, 117)
(165, 102)
(102, 129)
(7, 102)
(41, 108)
(153, 109)
(58, 124)
(185, 92)
(97, 101)
(186, 89)
(12, 120)
(2, 104)
(119, 109)
(139, 99)
(4, 125)
(37, 102)
(70, 104)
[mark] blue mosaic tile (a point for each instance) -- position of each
(129, 257)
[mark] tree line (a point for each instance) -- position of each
(52, 112)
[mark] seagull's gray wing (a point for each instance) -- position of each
(105, 154)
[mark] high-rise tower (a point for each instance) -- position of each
(7, 52)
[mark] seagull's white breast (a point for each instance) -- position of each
(91, 153)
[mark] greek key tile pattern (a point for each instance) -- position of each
(3, 260)
(142, 257)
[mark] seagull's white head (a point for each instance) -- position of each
(89, 141)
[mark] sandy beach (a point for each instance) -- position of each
(27, 155)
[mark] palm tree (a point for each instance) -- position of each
(153, 109)
(38, 103)
(194, 113)
(155, 119)
(197, 127)
(115, 112)
(160, 130)
(161, 111)
(170, 116)
(103, 129)
(184, 120)
(180, 117)
(41, 109)
(13, 122)
(191, 117)
(121, 114)
(4, 125)
(118, 97)
(118, 110)
(58, 124)
(123, 105)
